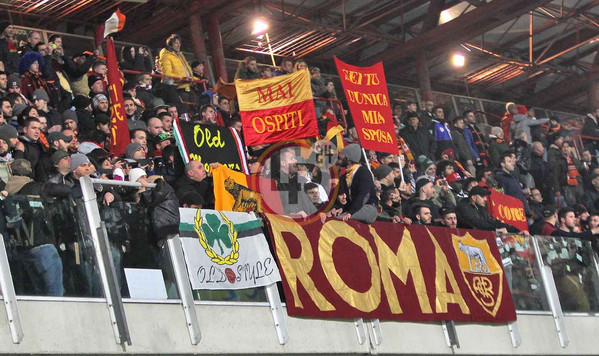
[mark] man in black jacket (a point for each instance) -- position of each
(472, 213)
(362, 200)
(417, 137)
(37, 250)
(510, 184)
(195, 180)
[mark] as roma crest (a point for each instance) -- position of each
(481, 271)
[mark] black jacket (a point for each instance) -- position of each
(462, 148)
(512, 187)
(362, 190)
(164, 206)
(543, 177)
(473, 217)
(523, 155)
(419, 140)
(497, 148)
(205, 188)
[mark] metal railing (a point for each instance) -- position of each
(553, 275)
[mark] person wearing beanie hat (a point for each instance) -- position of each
(13, 82)
(61, 161)
(497, 146)
(95, 84)
(78, 160)
(11, 134)
(100, 103)
(426, 166)
(522, 124)
(384, 175)
(69, 120)
(40, 101)
(135, 174)
(362, 201)
(81, 102)
(353, 152)
(40, 94)
(135, 151)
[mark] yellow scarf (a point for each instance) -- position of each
(349, 174)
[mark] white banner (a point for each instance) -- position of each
(226, 250)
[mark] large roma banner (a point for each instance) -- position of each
(277, 109)
(367, 96)
(508, 209)
(391, 272)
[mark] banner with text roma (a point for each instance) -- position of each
(277, 109)
(367, 96)
(508, 209)
(390, 271)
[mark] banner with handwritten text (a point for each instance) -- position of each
(210, 144)
(507, 209)
(277, 109)
(367, 96)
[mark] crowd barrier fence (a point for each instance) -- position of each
(546, 275)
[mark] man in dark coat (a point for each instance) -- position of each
(510, 184)
(417, 137)
(472, 213)
(361, 191)
(195, 180)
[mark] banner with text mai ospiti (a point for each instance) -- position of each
(226, 250)
(367, 96)
(277, 109)
(390, 271)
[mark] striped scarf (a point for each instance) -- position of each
(572, 172)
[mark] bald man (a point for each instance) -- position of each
(196, 180)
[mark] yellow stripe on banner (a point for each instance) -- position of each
(263, 94)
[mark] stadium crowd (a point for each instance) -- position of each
(55, 129)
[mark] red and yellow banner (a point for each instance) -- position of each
(277, 109)
(119, 129)
(507, 209)
(390, 271)
(367, 96)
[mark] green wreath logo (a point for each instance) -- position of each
(218, 235)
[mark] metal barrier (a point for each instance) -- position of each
(552, 275)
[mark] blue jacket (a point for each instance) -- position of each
(512, 187)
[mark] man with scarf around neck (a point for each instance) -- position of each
(498, 147)
(441, 133)
(566, 173)
(38, 253)
(358, 183)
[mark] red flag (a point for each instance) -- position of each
(118, 119)
(368, 99)
(115, 23)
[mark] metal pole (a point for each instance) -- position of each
(9, 296)
(272, 56)
(552, 296)
(105, 264)
(175, 251)
(276, 308)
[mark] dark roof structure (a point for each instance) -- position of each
(537, 52)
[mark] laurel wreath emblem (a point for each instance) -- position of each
(232, 257)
